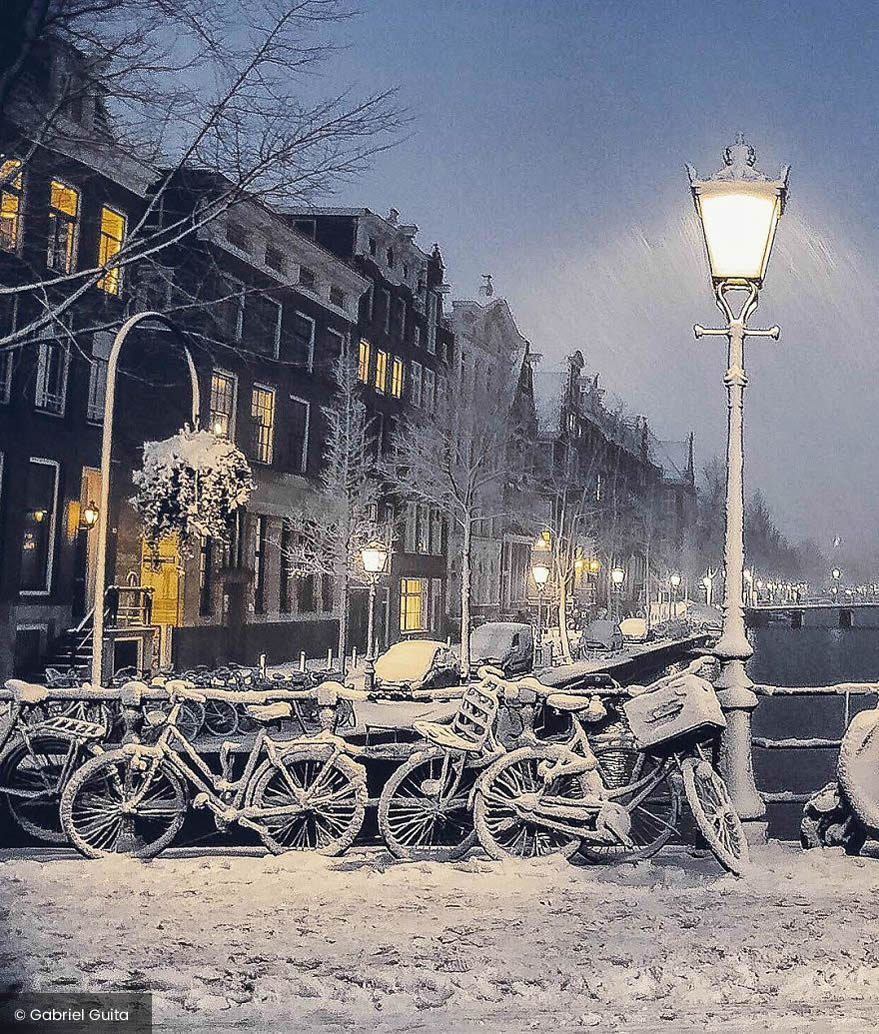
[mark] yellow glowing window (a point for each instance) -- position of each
(10, 203)
(413, 604)
(397, 377)
(363, 365)
(381, 370)
(63, 217)
(112, 234)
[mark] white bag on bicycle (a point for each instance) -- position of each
(674, 709)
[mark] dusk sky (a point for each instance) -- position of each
(547, 148)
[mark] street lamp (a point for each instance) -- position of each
(675, 581)
(749, 582)
(738, 209)
(374, 558)
(90, 515)
(540, 574)
(617, 576)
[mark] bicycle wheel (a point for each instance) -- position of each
(423, 811)
(328, 792)
(653, 804)
(220, 718)
(715, 816)
(32, 777)
(110, 807)
(500, 791)
(191, 717)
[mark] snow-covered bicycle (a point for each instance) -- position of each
(306, 793)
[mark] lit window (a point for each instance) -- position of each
(63, 221)
(415, 382)
(363, 363)
(10, 203)
(262, 415)
(112, 235)
(223, 391)
(381, 371)
(397, 377)
(413, 604)
(51, 389)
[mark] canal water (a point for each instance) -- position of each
(785, 656)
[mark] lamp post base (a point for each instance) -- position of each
(738, 700)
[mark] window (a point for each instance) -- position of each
(373, 246)
(232, 308)
(259, 565)
(155, 284)
(306, 602)
(364, 308)
(326, 593)
(397, 377)
(307, 277)
(422, 534)
(275, 259)
(63, 222)
(38, 538)
(416, 336)
(286, 569)
(262, 325)
(236, 235)
(224, 391)
(429, 394)
(299, 421)
(401, 318)
(390, 257)
(337, 297)
(405, 271)
(102, 342)
(413, 604)
(10, 203)
(112, 235)
(51, 390)
(363, 361)
(415, 379)
(335, 343)
(307, 227)
(436, 532)
(262, 415)
(381, 371)
(432, 317)
(205, 578)
(303, 340)
(436, 602)
(386, 302)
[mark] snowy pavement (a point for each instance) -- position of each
(247, 942)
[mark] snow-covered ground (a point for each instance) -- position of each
(303, 943)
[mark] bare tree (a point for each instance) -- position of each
(456, 459)
(228, 87)
(326, 535)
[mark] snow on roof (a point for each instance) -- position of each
(672, 457)
(549, 389)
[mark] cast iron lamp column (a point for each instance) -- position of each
(374, 558)
(738, 210)
(540, 573)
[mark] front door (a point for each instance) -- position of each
(162, 573)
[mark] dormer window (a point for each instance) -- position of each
(236, 235)
(390, 257)
(373, 246)
(307, 277)
(307, 227)
(337, 296)
(275, 259)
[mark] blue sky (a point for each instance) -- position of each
(547, 148)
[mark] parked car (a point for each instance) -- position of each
(635, 630)
(602, 634)
(416, 664)
(506, 644)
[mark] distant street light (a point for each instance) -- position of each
(675, 581)
(374, 558)
(618, 576)
(738, 209)
(540, 573)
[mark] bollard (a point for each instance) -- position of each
(353, 656)
(302, 661)
(262, 664)
(330, 659)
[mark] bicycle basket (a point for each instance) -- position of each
(674, 709)
(475, 716)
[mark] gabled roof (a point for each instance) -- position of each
(549, 391)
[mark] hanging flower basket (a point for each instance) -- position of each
(190, 484)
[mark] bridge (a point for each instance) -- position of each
(815, 614)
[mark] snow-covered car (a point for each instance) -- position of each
(508, 645)
(416, 664)
(635, 630)
(602, 634)
(704, 618)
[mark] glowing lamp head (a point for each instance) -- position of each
(836, 573)
(617, 575)
(594, 565)
(747, 574)
(739, 209)
(675, 580)
(374, 557)
(540, 573)
(90, 515)
(706, 581)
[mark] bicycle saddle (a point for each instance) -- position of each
(269, 712)
(572, 703)
(27, 692)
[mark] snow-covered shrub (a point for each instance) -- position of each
(190, 484)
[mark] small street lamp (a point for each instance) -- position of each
(738, 209)
(375, 558)
(749, 583)
(618, 576)
(540, 574)
(675, 581)
(90, 515)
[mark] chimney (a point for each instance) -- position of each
(486, 289)
(393, 216)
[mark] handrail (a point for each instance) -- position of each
(840, 689)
